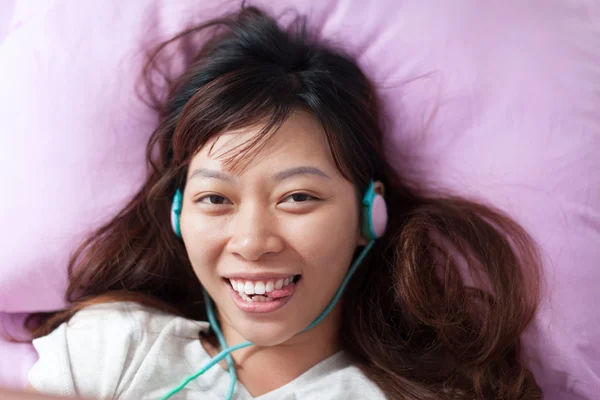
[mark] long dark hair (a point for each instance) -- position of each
(437, 308)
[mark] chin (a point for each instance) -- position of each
(266, 334)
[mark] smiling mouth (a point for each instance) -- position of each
(262, 291)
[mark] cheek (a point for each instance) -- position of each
(204, 242)
(326, 241)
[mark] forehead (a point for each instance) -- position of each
(301, 139)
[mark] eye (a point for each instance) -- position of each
(299, 198)
(213, 199)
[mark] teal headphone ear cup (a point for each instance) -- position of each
(374, 221)
(176, 213)
(374, 214)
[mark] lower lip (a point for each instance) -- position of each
(259, 307)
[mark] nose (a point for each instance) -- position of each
(254, 234)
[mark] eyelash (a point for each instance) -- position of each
(309, 197)
(201, 200)
(214, 196)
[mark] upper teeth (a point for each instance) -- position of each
(259, 287)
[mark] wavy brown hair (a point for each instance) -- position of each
(436, 310)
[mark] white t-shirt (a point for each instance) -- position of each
(126, 351)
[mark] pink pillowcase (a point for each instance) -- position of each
(497, 100)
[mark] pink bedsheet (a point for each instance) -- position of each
(507, 109)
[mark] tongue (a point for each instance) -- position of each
(283, 292)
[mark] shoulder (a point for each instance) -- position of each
(131, 319)
(98, 352)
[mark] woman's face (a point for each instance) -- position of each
(272, 243)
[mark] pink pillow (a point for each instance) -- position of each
(497, 100)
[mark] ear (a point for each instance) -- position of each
(378, 188)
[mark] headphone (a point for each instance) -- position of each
(374, 214)
(373, 225)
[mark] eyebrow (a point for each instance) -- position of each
(211, 173)
(288, 173)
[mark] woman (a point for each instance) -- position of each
(265, 198)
